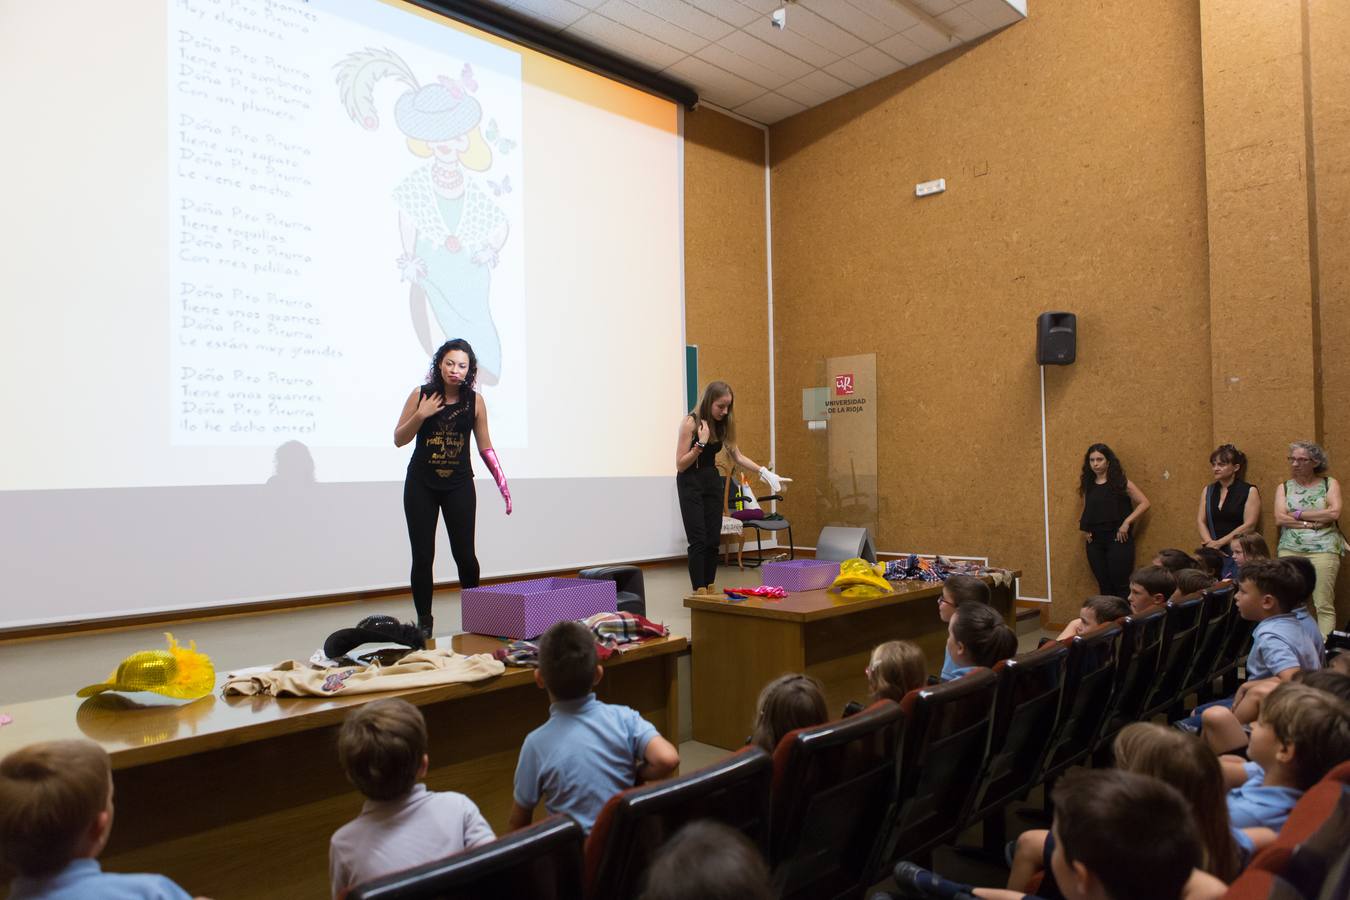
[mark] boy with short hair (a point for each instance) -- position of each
(383, 750)
(587, 751)
(1149, 588)
(1096, 610)
(957, 591)
(56, 813)
(1301, 734)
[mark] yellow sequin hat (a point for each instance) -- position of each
(179, 672)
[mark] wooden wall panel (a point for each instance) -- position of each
(1328, 34)
(726, 271)
(1072, 144)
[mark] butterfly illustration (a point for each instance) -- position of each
(502, 187)
(495, 138)
(466, 78)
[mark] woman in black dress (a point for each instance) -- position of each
(1111, 505)
(1229, 506)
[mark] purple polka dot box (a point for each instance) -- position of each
(800, 574)
(522, 610)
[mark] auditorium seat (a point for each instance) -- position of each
(1258, 884)
(1026, 705)
(945, 737)
(1136, 664)
(1234, 653)
(634, 824)
(1182, 624)
(1089, 675)
(542, 862)
(1216, 618)
(1314, 836)
(833, 787)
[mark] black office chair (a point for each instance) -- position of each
(631, 595)
(542, 862)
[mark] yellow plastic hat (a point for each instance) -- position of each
(181, 673)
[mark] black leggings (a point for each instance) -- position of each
(1112, 562)
(700, 492)
(421, 506)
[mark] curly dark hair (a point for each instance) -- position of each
(434, 378)
(1115, 473)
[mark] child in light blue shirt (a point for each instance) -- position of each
(587, 751)
(56, 856)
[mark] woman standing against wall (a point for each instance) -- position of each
(1307, 509)
(1229, 506)
(1111, 506)
(703, 433)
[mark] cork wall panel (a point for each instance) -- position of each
(725, 266)
(1328, 26)
(1072, 145)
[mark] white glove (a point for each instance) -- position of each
(774, 482)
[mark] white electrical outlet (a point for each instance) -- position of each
(925, 188)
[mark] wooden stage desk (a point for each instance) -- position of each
(237, 797)
(741, 646)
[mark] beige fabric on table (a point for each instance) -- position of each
(421, 668)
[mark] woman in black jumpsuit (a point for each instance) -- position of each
(703, 433)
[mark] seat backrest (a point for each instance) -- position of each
(1258, 884)
(1313, 836)
(833, 786)
(1089, 678)
(1136, 664)
(634, 824)
(542, 861)
(941, 754)
(1235, 643)
(1209, 641)
(1181, 627)
(1026, 705)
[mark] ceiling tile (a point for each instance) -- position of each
(903, 49)
(966, 26)
(889, 12)
(557, 12)
(621, 39)
(589, 4)
(718, 85)
(850, 18)
(792, 42)
(801, 20)
(763, 7)
(723, 58)
(803, 93)
(850, 71)
(878, 63)
(934, 7)
(826, 84)
(755, 50)
(770, 108)
(687, 17)
(653, 26)
(994, 13)
(930, 39)
(729, 11)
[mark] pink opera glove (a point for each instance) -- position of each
(494, 465)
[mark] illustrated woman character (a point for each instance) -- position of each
(703, 433)
(440, 415)
(450, 228)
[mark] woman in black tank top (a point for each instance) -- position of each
(1229, 506)
(1111, 505)
(703, 433)
(440, 415)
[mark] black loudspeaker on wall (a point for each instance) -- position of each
(1056, 338)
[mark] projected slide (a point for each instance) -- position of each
(336, 212)
(234, 231)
